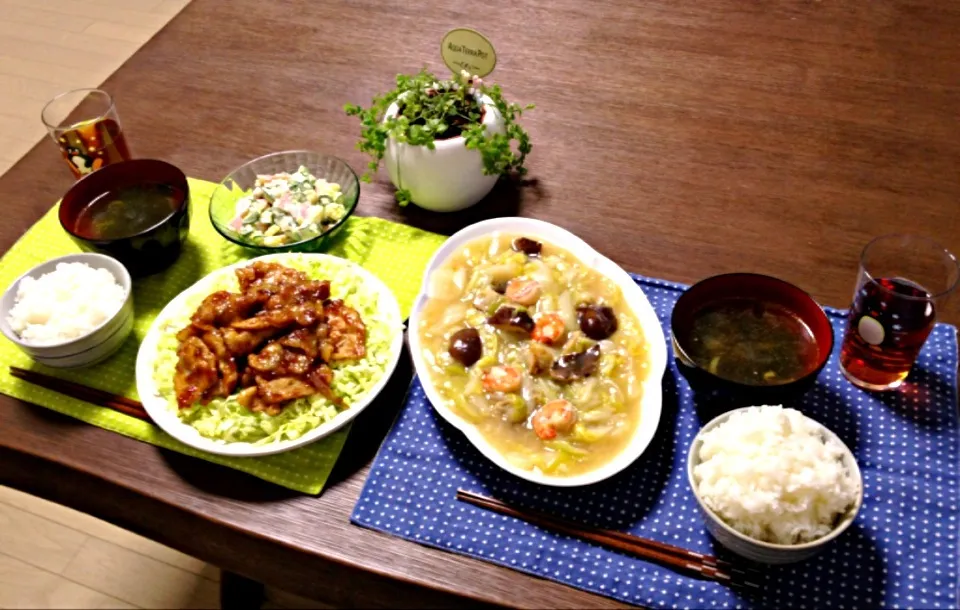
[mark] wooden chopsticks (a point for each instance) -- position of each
(124, 405)
(698, 564)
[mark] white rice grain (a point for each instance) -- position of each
(771, 474)
(65, 304)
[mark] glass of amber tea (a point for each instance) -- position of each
(904, 282)
(85, 125)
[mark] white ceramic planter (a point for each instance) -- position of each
(448, 178)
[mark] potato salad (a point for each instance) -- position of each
(288, 208)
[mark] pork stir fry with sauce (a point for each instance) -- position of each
(537, 350)
(270, 343)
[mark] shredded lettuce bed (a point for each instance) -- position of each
(226, 420)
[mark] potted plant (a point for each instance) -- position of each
(444, 142)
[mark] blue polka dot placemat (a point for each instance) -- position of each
(901, 551)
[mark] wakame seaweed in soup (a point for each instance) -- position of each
(752, 342)
(127, 211)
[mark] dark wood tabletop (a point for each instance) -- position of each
(682, 139)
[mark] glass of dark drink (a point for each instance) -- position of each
(85, 125)
(905, 280)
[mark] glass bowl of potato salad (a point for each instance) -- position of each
(291, 201)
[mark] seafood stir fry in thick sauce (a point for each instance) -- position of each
(272, 342)
(537, 350)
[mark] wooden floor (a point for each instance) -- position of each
(51, 556)
(51, 46)
(55, 557)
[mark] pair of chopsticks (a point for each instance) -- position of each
(697, 564)
(124, 405)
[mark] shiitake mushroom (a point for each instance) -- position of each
(527, 246)
(512, 319)
(576, 366)
(597, 321)
(466, 346)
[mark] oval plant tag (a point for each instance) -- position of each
(466, 49)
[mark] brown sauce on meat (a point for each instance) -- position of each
(270, 343)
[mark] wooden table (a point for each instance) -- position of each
(681, 139)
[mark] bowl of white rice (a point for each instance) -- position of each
(774, 485)
(71, 311)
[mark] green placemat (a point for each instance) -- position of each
(396, 253)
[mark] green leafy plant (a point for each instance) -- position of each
(430, 109)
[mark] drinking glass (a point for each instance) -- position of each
(85, 125)
(904, 281)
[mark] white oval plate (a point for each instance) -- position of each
(167, 419)
(651, 401)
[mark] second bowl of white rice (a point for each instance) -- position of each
(774, 485)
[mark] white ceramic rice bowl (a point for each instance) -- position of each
(759, 550)
(651, 402)
(92, 347)
(159, 409)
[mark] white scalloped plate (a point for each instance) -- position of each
(651, 401)
(167, 419)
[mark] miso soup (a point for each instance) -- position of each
(128, 211)
(752, 342)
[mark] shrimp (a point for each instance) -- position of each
(502, 379)
(524, 292)
(549, 328)
(555, 416)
